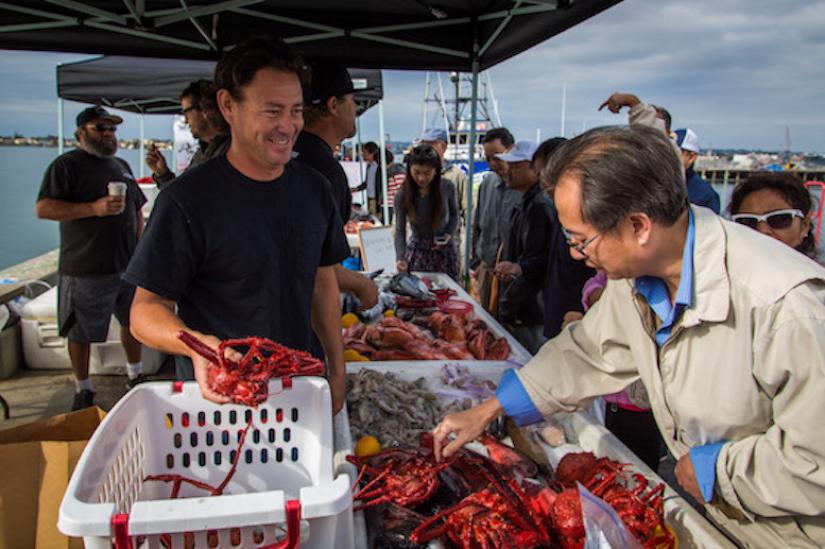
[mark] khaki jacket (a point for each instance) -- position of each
(745, 363)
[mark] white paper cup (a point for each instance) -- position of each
(117, 188)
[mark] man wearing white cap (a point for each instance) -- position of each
(699, 191)
(524, 257)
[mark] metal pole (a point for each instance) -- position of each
(468, 222)
(383, 152)
(563, 107)
(59, 125)
(365, 201)
(142, 154)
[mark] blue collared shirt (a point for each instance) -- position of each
(703, 458)
(655, 291)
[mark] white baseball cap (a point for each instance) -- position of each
(523, 151)
(687, 140)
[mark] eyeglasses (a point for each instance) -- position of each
(778, 219)
(187, 109)
(100, 128)
(579, 247)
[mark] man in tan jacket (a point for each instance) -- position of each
(724, 327)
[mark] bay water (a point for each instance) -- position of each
(22, 235)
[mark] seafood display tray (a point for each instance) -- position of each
(518, 353)
(583, 433)
(291, 462)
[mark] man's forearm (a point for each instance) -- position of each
(154, 323)
(61, 210)
(349, 281)
(326, 318)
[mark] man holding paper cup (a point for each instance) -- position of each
(94, 196)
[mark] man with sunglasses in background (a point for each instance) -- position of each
(725, 329)
(95, 198)
(199, 108)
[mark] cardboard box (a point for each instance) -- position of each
(36, 463)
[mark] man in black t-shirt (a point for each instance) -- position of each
(329, 118)
(98, 204)
(245, 244)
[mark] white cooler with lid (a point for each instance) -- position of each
(44, 349)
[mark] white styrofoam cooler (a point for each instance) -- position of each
(44, 349)
(156, 429)
(583, 433)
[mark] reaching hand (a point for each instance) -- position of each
(156, 161)
(109, 205)
(367, 293)
(615, 102)
(466, 426)
(571, 316)
(508, 270)
(686, 477)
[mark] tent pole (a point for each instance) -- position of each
(142, 153)
(468, 222)
(365, 201)
(59, 125)
(383, 152)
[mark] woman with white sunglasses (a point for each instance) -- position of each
(778, 205)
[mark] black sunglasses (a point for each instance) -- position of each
(778, 219)
(104, 127)
(187, 109)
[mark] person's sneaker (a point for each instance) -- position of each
(83, 399)
(135, 381)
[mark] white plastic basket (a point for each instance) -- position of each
(168, 428)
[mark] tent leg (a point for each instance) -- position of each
(142, 152)
(468, 222)
(383, 152)
(358, 150)
(59, 126)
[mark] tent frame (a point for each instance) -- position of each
(138, 22)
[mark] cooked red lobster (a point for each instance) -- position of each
(639, 508)
(246, 381)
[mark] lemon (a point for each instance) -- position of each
(367, 446)
(389, 313)
(351, 355)
(349, 320)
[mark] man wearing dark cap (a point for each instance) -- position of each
(95, 198)
(329, 118)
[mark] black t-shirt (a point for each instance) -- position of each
(316, 153)
(93, 245)
(239, 256)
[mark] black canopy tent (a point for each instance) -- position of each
(399, 34)
(153, 86)
(462, 35)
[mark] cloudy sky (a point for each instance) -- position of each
(736, 71)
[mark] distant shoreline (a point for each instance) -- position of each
(47, 143)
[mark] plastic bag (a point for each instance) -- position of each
(602, 526)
